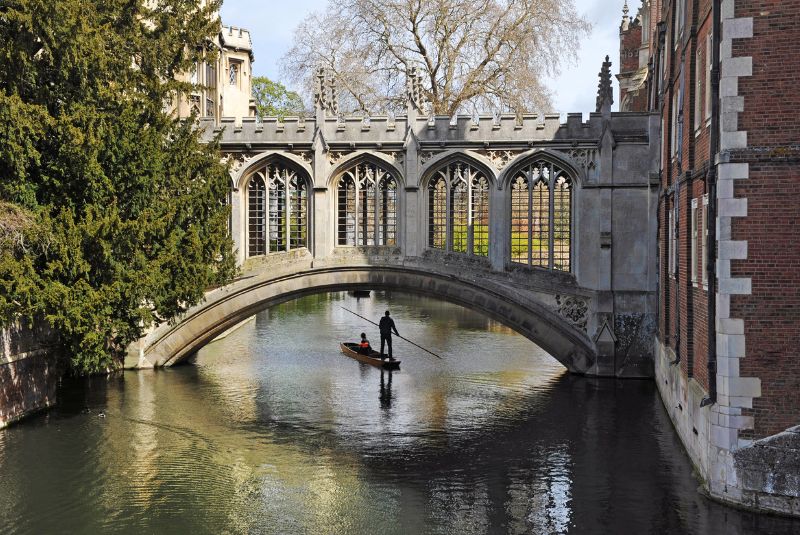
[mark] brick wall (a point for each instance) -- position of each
(772, 311)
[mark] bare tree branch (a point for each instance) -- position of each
(489, 54)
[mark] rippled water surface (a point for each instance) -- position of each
(272, 430)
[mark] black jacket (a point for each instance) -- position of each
(386, 326)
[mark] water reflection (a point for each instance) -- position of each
(386, 390)
(274, 431)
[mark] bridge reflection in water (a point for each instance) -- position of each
(273, 430)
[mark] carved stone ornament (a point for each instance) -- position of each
(584, 158)
(326, 91)
(425, 156)
(334, 157)
(239, 160)
(306, 156)
(414, 93)
(501, 158)
(396, 156)
(573, 309)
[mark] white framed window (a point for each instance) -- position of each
(709, 55)
(693, 244)
(699, 80)
(704, 236)
(679, 19)
(671, 242)
(673, 145)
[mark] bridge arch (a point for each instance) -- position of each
(170, 344)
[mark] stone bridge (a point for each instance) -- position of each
(548, 227)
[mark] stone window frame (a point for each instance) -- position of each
(445, 171)
(671, 243)
(370, 226)
(536, 172)
(235, 73)
(292, 234)
(704, 244)
(695, 234)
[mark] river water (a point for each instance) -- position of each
(272, 430)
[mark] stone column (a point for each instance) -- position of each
(238, 224)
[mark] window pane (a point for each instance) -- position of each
(366, 206)
(480, 215)
(459, 206)
(437, 213)
(520, 220)
(346, 211)
(540, 224)
(277, 209)
(298, 212)
(387, 234)
(256, 216)
(562, 209)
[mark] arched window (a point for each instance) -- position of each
(366, 206)
(541, 216)
(459, 221)
(277, 210)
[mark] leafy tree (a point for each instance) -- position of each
(112, 212)
(273, 99)
(476, 54)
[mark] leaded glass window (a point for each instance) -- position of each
(541, 216)
(437, 213)
(459, 221)
(233, 74)
(298, 213)
(277, 210)
(367, 206)
(346, 211)
(256, 216)
(387, 211)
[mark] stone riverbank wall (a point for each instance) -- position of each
(28, 371)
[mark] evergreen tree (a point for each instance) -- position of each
(113, 213)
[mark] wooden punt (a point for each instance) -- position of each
(373, 359)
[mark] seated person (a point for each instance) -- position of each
(363, 346)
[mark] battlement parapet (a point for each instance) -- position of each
(462, 130)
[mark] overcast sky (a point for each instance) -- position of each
(272, 22)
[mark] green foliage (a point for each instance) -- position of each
(274, 100)
(112, 213)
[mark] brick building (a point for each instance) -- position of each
(728, 246)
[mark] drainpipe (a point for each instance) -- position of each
(711, 191)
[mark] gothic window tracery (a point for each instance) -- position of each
(541, 216)
(458, 209)
(277, 210)
(366, 206)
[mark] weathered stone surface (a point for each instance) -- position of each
(526, 309)
(28, 371)
(771, 467)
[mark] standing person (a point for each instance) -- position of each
(386, 326)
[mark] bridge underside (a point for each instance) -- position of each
(518, 309)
